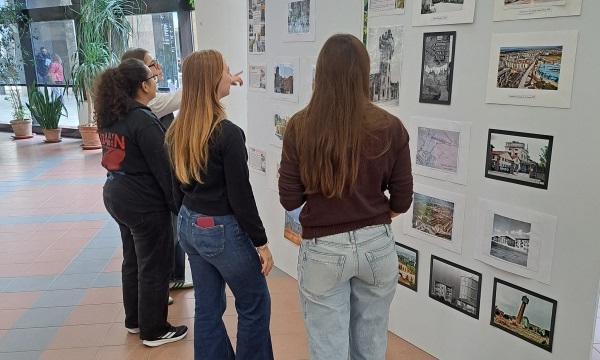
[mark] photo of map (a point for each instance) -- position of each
(438, 149)
(433, 216)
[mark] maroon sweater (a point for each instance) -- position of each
(367, 204)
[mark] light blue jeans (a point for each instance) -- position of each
(346, 284)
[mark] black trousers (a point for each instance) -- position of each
(148, 254)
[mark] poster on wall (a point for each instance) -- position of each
(274, 156)
(441, 12)
(437, 67)
(256, 26)
(535, 9)
(440, 148)
(300, 21)
(524, 314)
(519, 158)
(292, 229)
(532, 69)
(436, 216)
(284, 77)
(516, 240)
(257, 77)
(309, 69)
(384, 45)
(455, 286)
(279, 119)
(408, 265)
(385, 7)
(257, 160)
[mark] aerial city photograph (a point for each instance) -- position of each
(531, 67)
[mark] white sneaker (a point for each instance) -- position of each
(170, 300)
(133, 330)
(180, 284)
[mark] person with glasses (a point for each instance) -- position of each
(138, 194)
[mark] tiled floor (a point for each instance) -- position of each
(60, 295)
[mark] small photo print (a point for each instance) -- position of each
(515, 4)
(510, 240)
(524, 314)
(438, 149)
(455, 286)
(299, 17)
(293, 229)
(257, 160)
(257, 77)
(407, 266)
(284, 78)
(530, 67)
(437, 68)
(433, 216)
(441, 6)
(279, 120)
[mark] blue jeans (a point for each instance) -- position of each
(219, 255)
(347, 282)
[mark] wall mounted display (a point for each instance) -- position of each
(257, 77)
(384, 45)
(365, 21)
(279, 119)
(284, 77)
(440, 148)
(436, 216)
(437, 67)
(385, 7)
(520, 158)
(533, 9)
(408, 265)
(309, 69)
(292, 229)
(256, 26)
(300, 21)
(532, 69)
(441, 12)
(516, 240)
(455, 285)
(524, 314)
(257, 160)
(274, 156)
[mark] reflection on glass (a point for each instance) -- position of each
(34, 4)
(54, 46)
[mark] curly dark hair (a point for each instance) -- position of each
(114, 89)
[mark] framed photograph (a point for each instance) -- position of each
(436, 216)
(455, 286)
(273, 165)
(284, 77)
(408, 265)
(532, 69)
(519, 158)
(384, 45)
(256, 26)
(257, 160)
(524, 314)
(257, 77)
(534, 9)
(437, 67)
(442, 12)
(292, 229)
(440, 148)
(516, 240)
(300, 21)
(385, 7)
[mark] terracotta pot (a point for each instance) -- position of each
(89, 136)
(52, 135)
(22, 129)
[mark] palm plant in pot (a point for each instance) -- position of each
(47, 107)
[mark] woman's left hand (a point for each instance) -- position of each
(266, 259)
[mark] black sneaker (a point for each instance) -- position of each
(175, 333)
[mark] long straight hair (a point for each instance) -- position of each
(201, 111)
(331, 131)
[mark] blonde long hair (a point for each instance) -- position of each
(201, 111)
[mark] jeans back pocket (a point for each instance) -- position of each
(383, 263)
(320, 272)
(209, 241)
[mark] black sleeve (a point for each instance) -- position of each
(239, 190)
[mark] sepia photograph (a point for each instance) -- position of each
(384, 45)
(515, 4)
(455, 286)
(510, 240)
(293, 229)
(524, 314)
(407, 266)
(529, 67)
(437, 68)
(441, 6)
(433, 216)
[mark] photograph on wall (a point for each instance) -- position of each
(279, 120)
(292, 229)
(384, 45)
(309, 69)
(535, 9)
(284, 77)
(256, 26)
(515, 240)
(524, 314)
(440, 12)
(455, 286)
(408, 264)
(257, 77)
(519, 158)
(440, 148)
(532, 69)
(437, 67)
(385, 7)
(257, 160)
(436, 216)
(274, 156)
(365, 21)
(300, 21)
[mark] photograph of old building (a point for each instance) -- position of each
(533, 67)
(407, 266)
(385, 50)
(510, 240)
(433, 216)
(437, 67)
(511, 4)
(455, 286)
(284, 79)
(441, 6)
(292, 229)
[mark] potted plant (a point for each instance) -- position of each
(47, 107)
(12, 60)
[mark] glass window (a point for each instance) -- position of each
(35, 4)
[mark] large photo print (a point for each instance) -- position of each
(437, 67)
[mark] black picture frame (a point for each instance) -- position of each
(466, 301)
(438, 49)
(529, 333)
(405, 280)
(523, 172)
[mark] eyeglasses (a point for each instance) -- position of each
(154, 63)
(155, 77)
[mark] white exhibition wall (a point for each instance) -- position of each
(571, 195)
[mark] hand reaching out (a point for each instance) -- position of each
(236, 79)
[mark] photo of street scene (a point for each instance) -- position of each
(440, 6)
(292, 229)
(437, 67)
(523, 313)
(284, 79)
(433, 216)
(385, 50)
(299, 17)
(455, 286)
(256, 26)
(519, 158)
(407, 266)
(515, 4)
(529, 67)
(438, 149)
(280, 121)
(510, 240)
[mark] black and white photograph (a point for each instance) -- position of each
(437, 68)
(455, 286)
(535, 9)
(520, 158)
(299, 17)
(384, 45)
(408, 265)
(512, 4)
(441, 6)
(524, 314)
(443, 12)
(510, 240)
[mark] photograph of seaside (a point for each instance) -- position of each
(512, 4)
(455, 286)
(407, 266)
(440, 6)
(433, 216)
(524, 314)
(529, 67)
(510, 240)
